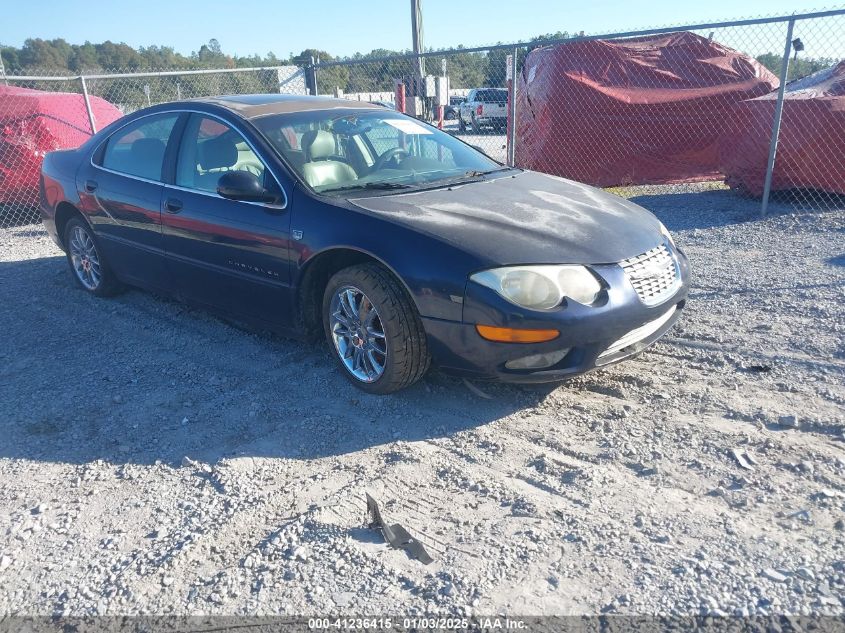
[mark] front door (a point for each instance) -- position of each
(230, 255)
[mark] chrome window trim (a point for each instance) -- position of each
(179, 111)
(211, 194)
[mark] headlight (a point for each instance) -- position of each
(541, 287)
(665, 232)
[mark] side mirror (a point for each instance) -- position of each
(244, 186)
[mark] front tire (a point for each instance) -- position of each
(87, 263)
(374, 329)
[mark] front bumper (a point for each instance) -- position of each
(595, 335)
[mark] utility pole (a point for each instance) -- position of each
(417, 35)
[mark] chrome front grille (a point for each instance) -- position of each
(654, 274)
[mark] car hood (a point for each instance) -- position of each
(526, 218)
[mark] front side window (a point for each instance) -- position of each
(342, 150)
(138, 149)
(209, 149)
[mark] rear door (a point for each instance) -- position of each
(121, 192)
(230, 255)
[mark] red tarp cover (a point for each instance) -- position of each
(646, 110)
(34, 122)
(811, 147)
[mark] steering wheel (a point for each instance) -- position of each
(389, 155)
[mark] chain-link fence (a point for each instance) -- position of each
(756, 106)
(661, 111)
(40, 113)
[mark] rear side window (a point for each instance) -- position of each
(492, 96)
(138, 149)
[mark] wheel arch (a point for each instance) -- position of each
(64, 212)
(314, 277)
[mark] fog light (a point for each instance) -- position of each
(538, 361)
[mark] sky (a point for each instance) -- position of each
(345, 27)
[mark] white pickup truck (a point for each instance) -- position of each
(484, 107)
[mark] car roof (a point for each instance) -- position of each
(257, 105)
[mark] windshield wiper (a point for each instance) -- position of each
(475, 173)
(369, 185)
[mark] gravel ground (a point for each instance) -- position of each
(156, 460)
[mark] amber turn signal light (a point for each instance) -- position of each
(512, 335)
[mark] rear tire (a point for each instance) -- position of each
(476, 128)
(88, 265)
(462, 127)
(382, 327)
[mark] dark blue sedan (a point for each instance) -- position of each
(399, 243)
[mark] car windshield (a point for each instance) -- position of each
(344, 150)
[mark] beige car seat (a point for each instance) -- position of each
(319, 169)
(216, 156)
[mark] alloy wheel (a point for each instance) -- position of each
(85, 259)
(358, 334)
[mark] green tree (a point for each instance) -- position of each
(11, 59)
(211, 56)
(84, 58)
(327, 78)
(798, 67)
(466, 70)
(121, 56)
(162, 57)
(46, 54)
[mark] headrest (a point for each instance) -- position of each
(318, 144)
(217, 153)
(147, 150)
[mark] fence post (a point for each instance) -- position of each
(314, 76)
(88, 105)
(773, 144)
(512, 110)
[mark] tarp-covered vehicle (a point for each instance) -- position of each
(811, 145)
(34, 122)
(645, 110)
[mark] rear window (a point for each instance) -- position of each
(493, 96)
(138, 149)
